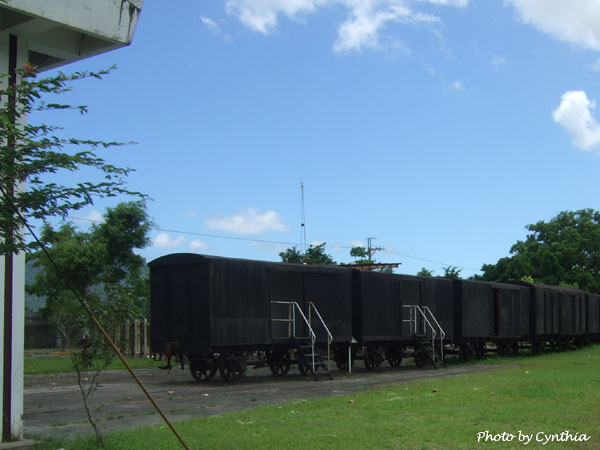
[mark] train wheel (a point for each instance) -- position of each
(515, 348)
(304, 366)
(232, 365)
(503, 349)
(465, 352)
(372, 359)
(538, 347)
(340, 356)
(480, 351)
(419, 357)
(393, 356)
(279, 362)
(204, 369)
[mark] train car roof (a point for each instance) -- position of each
(550, 286)
(184, 259)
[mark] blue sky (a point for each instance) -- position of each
(440, 127)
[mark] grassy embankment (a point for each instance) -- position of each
(549, 394)
(50, 361)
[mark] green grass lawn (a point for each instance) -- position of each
(60, 363)
(545, 394)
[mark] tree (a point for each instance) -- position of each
(100, 266)
(564, 250)
(361, 254)
(451, 272)
(33, 160)
(38, 154)
(425, 272)
(315, 254)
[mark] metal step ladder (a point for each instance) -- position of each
(306, 355)
(309, 358)
(425, 329)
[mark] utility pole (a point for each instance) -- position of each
(370, 249)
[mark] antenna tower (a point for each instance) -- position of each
(302, 222)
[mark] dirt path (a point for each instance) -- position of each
(53, 405)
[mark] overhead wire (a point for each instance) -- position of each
(296, 244)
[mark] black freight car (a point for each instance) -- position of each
(427, 316)
(376, 319)
(213, 309)
(593, 318)
(489, 312)
(558, 316)
(218, 311)
(310, 300)
(395, 313)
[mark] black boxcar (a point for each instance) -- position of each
(511, 312)
(217, 311)
(593, 317)
(473, 311)
(376, 318)
(411, 289)
(557, 315)
(328, 288)
(208, 304)
(433, 292)
(494, 312)
(573, 312)
(377, 308)
(438, 295)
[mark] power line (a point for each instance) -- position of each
(427, 260)
(193, 233)
(296, 244)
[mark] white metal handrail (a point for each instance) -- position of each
(413, 319)
(442, 333)
(313, 336)
(329, 335)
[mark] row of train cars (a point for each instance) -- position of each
(224, 314)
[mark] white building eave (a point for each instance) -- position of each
(62, 31)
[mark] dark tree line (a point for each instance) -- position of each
(562, 251)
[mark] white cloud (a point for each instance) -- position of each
(94, 216)
(497, 61)
(357, 244)
(575, 115)
(248, 221)
(164, 240)
(366, 18)
(210, 24)
(215, 28)
(576, 22)
(198, 245)
(192, 213)
(261, 15)
(596, 65)
(457, 86)
(270, 247)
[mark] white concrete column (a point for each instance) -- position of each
(18, 298)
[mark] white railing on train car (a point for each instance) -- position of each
(329, 335)
(414, 326)
(292, 306)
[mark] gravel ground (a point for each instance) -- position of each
(54, 408)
